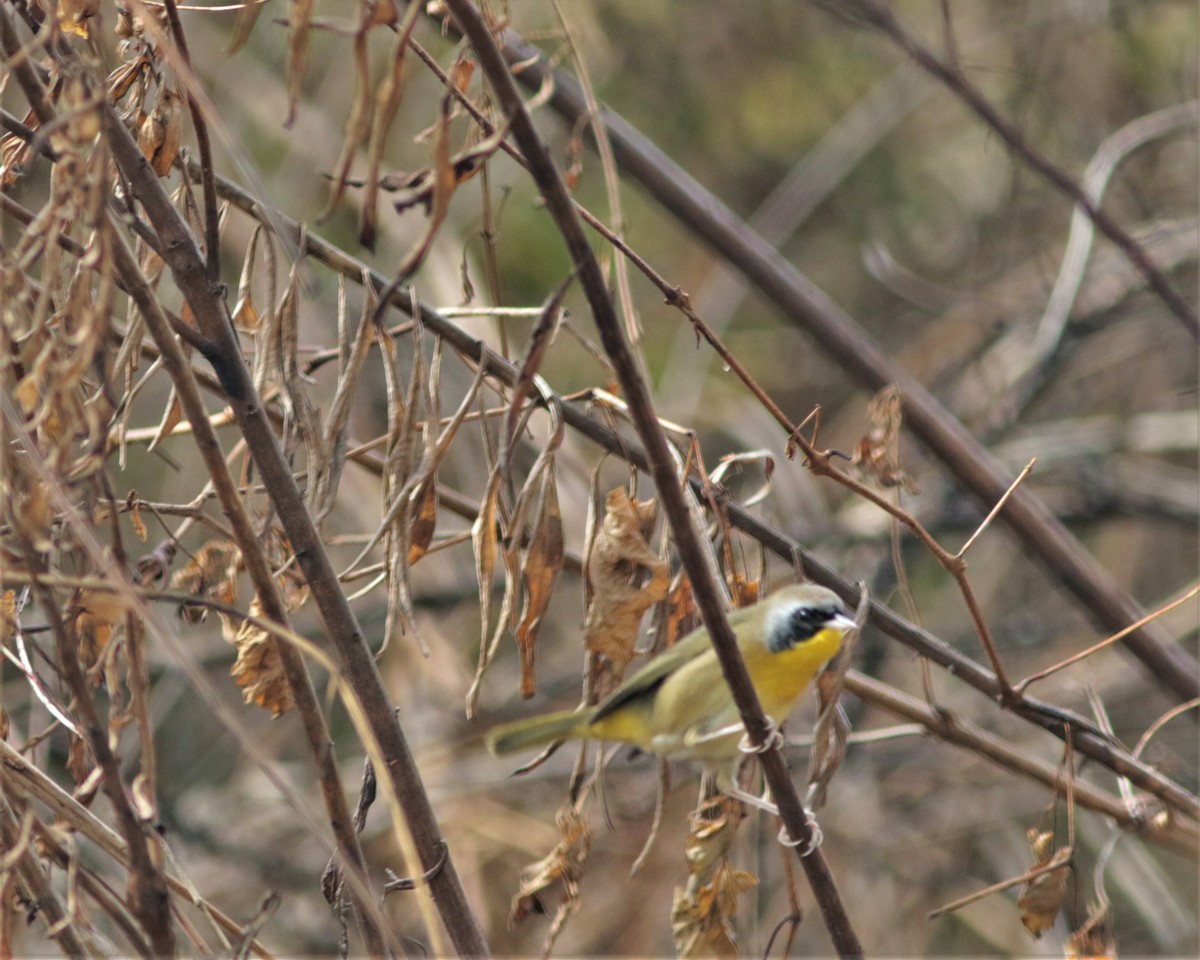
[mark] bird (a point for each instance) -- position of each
(679, 706)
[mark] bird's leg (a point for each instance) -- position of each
(728, 785)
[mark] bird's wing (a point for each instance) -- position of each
(647, 680)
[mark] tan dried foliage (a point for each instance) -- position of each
(1042, 897)
(680, 616)
(80, 762)
(258, 669)
(617, 567)
(878, 453)
(211, 574)
(561, 867)
(702, 912)
(300, 23)
(159, 133)
(8, 615)
(96, 614)
(543, 563)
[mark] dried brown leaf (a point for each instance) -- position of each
(159, 133)
(245, 314)
(539, 342)
(1042, 897)
(445, 180)
(543, 562)
(172, 414)
(681, 615)
(878, 453)
(485, 541)
(8, 615)
(300, 22)
(387, 102)
(424, 521)
(702, 912)
(212, 574)
(562, 866)
(243, 26)
(616, 568)
(258, 669)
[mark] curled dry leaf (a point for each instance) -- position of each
(878, 453)
(1042, 897)
(211, 574)
(80, 764)
(8, 615)
(424, 520)
(543, 562)
(96, 614)
(258, 669)
(159, 133)
(680, 616)
(300, 21)
(564, 866)
(618, 562)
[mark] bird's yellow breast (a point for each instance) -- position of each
(781, 677)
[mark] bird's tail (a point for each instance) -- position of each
(536, 732)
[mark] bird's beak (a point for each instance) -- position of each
(841, 622)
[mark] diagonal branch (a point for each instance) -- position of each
(221, 349)
(838, 335)
(662, 468)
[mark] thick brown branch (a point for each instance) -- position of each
(662, 469)
(341, 626)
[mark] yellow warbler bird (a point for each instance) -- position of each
(679, 706)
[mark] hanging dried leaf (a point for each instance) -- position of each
(245, 315)
(96, 614)
(681, 615)
(172, 415)
(485, 542)
(878, 453)
(358, 120)
(1043, 896)
(159, 133)
(244, 25)
(702, 913)
(8, 615)
(80, 762)
(424, 521)
(563, 866)
(618, 563)
(300, 22)
(388, 97)
(543, 561)
(258, 669)
(211, 573)
(539, 341)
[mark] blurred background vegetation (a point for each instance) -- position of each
(908, 212)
